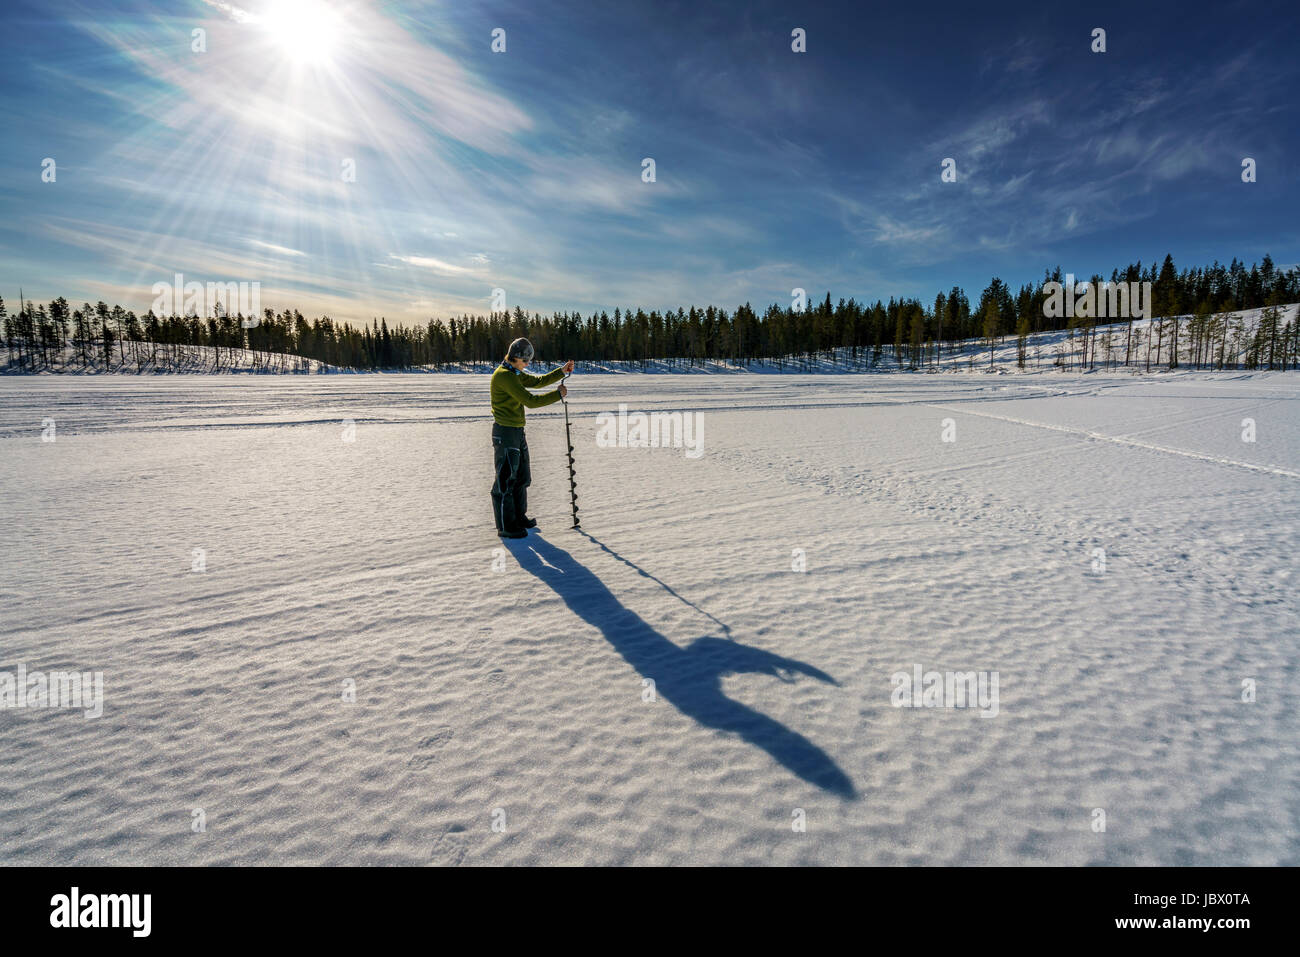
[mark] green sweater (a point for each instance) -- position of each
(510, 393)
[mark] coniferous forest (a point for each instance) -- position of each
(901, 334)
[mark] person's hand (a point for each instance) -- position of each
(563, 392)
(568, 367)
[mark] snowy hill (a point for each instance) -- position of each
(144, 358)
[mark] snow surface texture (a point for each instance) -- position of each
(518, 697)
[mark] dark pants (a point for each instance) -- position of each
(510, 490)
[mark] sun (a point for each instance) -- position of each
(308, 31)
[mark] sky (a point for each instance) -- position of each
(359, 158)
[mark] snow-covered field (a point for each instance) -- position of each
(1111, 547)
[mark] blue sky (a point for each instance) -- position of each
(522, 170)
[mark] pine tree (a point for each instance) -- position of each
(991, 318)
(917, 333)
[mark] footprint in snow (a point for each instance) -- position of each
(427, 750)
(450, 847)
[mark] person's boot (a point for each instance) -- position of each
(528, 522)
(510, 527)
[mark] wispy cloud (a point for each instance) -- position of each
(437, 265)
(282, 250)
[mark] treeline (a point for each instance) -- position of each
(903, 333)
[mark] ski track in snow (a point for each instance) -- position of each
(1129, 440)
(525, 689)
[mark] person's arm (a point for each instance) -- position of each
(537, 381)
(517, 390)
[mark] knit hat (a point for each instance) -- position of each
(520, 349)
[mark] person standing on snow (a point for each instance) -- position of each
(510, 395)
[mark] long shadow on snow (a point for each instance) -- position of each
(689, 678)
